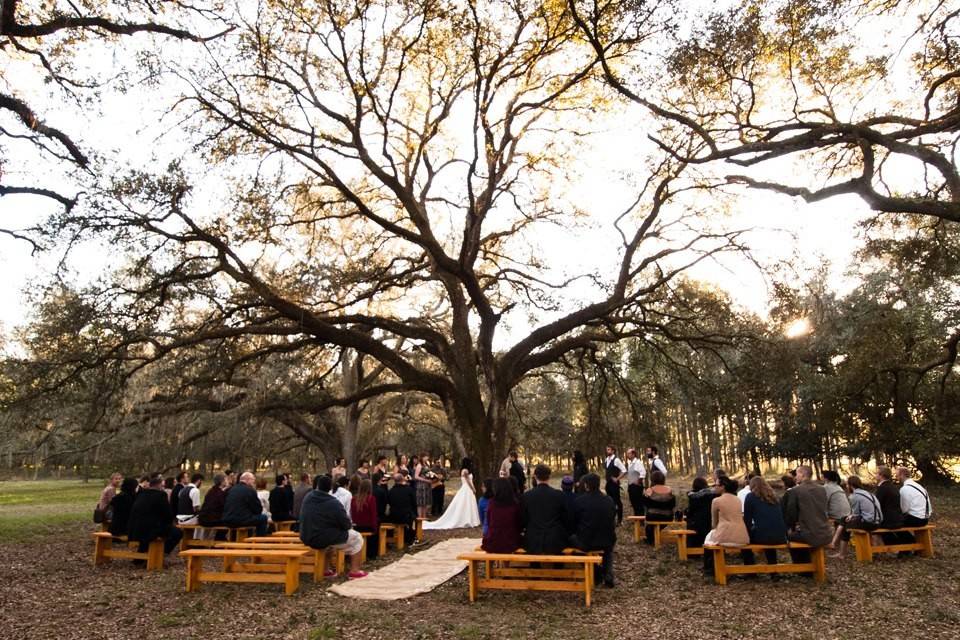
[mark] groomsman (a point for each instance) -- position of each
(636, 474)
(615, 470)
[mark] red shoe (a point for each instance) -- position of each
(329, 573)
(353, 575)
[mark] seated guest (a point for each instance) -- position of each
(698, 511)
(151, 518)
(658, 502)
(595, 523)
(763, 518)
(789, 482)
(363, 513)
(281, 505)
(728, 528)
(188, 504)
(303, 488)
(914, 500)
(107, 495)
(175, 489)
(120, 506)
(888, 493)
(325, 525)
(243, 508)
(545, 516)
(865, 513)
(566, 486)
(341, 492)
(745, 490)
(211, 511)
(402, 505)
(504, 523)
(484, 501)
(263, 496)
(380, 488)
(805, 514)
(838, 507)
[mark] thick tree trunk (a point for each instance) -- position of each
(932, 472)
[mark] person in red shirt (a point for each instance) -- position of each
(504, 522)
(363, 513)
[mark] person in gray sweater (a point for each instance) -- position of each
(865, 513)
(805, 514)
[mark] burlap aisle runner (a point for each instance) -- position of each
(412, 574)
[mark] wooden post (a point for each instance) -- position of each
(719, 566)
(155, 555)
(292, 581)
(925, 538)
(194, 567)
(819, 564)
(472, 574)
(587, 582)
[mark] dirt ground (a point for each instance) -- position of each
(49, 589)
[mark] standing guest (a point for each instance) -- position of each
(483, 502)
(516, 471)
(438, 490)
(363, 513)
(168, 485)
(805, 515)
(594, 518)
(243, 507)
(658, 502)
(763, 518)
(380, 493)
(402, 504)
(888, 493)
(579, 468)
(281, 503)
(656, 464)
(339, 469)
(379, 470)
(325, 525)
(303, 488)
(263, 496)
(865, 513)
(211, 511)
(745, 491)
(504, 523)
(342, 493)
(566, 486)
(402, 464)
(614, 470)
(363, 469)
(181, 481)
(151, 518)
(121, 505)
(636, 476)
(106, 496)
(914, 500)
(726, 518)
(545, 516)
(421, 485)
(188, 504)
(699, 518)
(411, 466)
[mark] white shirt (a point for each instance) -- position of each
(636, 472)
(194, 494)
(616, 463)
(915, 501)
(658, 465)
(345, 498)
(742, 494)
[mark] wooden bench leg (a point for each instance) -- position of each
(155, 556)
(682, 547)
(363, 551)
(819, 564)
(101, 545)
(587, 582)
(719, 566)
(637, 531)
(292, 579)
(341, 562)
(472, 574)
(382, 545)
(925, 538)
(419, 530)
(194, 567)
(656, 536)
(400, 538)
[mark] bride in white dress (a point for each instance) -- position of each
(462, 511)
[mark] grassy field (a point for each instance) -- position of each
(51, 590)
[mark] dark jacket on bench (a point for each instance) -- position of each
(323, 521)
(888, 495)
(121, 505)
(594, 517)
(805, 513)
(546, 520)
(211, 511)
(242, 506)
(281, 504)
(764, 521)
(150, 516)
(403, 504)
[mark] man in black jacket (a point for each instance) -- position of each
(380, 492)
(545, 516)
(152, 518)
(594, 516)
(516, 470)
(888, 495)
(242, 507)
(402, 504)
(281, 502)
(324, 524)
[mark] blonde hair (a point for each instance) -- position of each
(762, 489)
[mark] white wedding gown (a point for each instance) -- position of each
(462, 511)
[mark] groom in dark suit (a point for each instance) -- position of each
(516, 470)
(546, 519)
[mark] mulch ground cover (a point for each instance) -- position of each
(51, 590)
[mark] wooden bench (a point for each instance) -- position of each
(684, 551)
(104, 551)
(235, 572)
(418, 531)
(191, 541)
(284, 525)
(490, 567)
(865, 549)
(391, 533)
(314, 563)
(639, 522)
(506, 576)
(721, 570)
(340, 565)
